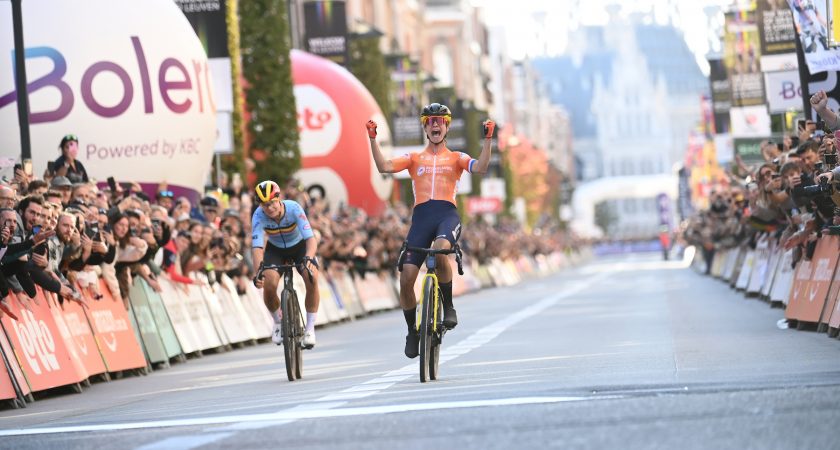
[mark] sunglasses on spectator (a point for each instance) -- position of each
(167, 194)
(71, 137)
(435, 120)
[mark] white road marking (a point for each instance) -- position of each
(186, 442)
(329, 406)
(294, 414)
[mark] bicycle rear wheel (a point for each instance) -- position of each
(299, 331)
(287, 300)
(426, 318)
(436, 339)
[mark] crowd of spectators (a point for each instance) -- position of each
(64, 232)
(789, 195)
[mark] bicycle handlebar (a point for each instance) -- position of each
(456, 249)
(282, 267)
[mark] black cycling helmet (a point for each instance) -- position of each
(436, 109)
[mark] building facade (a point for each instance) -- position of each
(633, 91)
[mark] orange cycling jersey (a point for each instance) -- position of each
(434, 176)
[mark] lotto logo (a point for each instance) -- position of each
(37, 343)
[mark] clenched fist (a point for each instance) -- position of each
(819, 100)
(489, 126)
(371, 129)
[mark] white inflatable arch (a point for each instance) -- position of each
(589, 194)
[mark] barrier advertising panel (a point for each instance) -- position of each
(226, 290)
(38, 346)
(166, 333)
(12, 364)
(808, 297)
(7, 388)
(179, 317)
(76, 331)
(114, 335)
(799, 289)
(146, 323)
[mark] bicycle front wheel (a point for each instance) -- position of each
(436, 339)
(287, 306)
(299, 331)
(426, 328)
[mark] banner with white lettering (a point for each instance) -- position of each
(131, 82)
(777, 36)
(326, 29)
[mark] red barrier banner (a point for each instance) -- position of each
(16, 372)
(58, 319)
(36, 341)
(113, 334)
(809, 306)
(79, 332)
(799, 289)
(7, 387)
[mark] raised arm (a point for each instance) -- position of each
(820, 103)
(382, 165)
(484, 158)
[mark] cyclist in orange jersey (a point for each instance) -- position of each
(434, 222)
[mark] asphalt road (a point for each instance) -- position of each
(621, 353)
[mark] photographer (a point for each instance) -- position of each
(14, 255)
(130, 249)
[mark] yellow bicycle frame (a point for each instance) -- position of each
(419, 314)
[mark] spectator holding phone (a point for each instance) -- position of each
(130, 249)
(67, 165)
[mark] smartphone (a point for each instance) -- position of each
(112, 184)
(27, 167)
(800, 124)
(36, 229)
(51, 166)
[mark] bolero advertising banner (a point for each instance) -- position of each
(130, 79)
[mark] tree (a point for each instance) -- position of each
(605, 217)
(269, 93)
(368, 65)
(234, 162)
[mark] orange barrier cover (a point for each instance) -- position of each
(823, 263)
(38, 346)
(799, 289)
(7, 388)
(85, 356)
(6, 348)
(113, 333)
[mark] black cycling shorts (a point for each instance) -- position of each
(277, 255)
(432, 220)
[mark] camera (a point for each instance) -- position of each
(824, 187)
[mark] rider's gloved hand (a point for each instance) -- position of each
(371, 128)
(489, 126)
(257, 282)
(312, 260)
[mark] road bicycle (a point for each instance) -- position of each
(291, 322)
(429, 321)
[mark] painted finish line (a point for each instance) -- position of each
(284, 416)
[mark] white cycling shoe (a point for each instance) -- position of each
(277, 334)
(308, 340)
